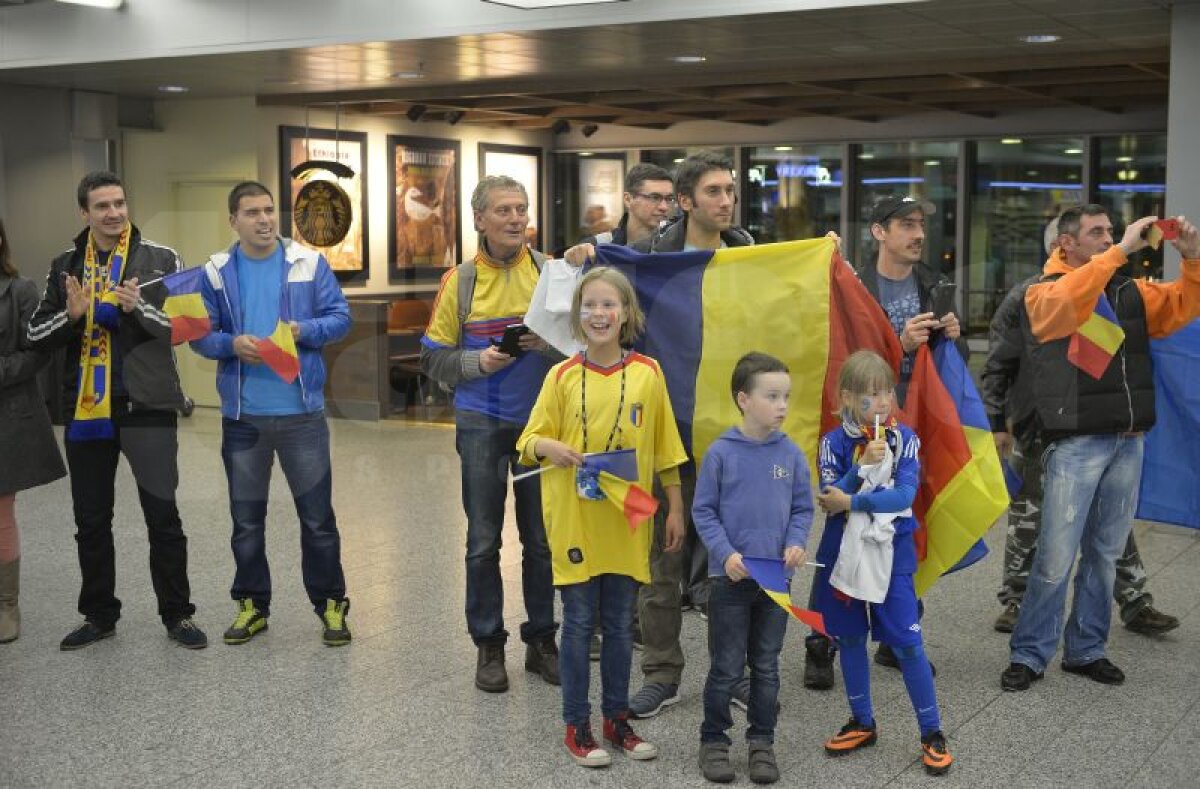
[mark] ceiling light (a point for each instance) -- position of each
(173, 89)
(584, 153)
(688, 59)
(1011, 141)
(109, 4)
(530, 5)
(1073, 151)
(415, 112)
(1032, 172)
(677, 161)
(589, 129)
(932, 163)
(1124, 159)
(1072, 177)
(783, 148)
(406, 75)
(1041, 38)
(866, 156)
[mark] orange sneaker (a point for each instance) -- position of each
(934, 756)
(852, 736)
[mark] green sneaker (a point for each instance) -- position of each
(249, 622)
(337, 629)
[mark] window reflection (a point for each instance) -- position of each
(792, 192)
(1132, 183)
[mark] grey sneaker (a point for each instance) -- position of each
(652, 698)
(763, 769)
(714, 762)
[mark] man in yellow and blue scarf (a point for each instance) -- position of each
(121, 378)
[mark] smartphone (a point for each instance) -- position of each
(511, 342)
(941, 299)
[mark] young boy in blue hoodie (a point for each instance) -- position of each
(752, 499)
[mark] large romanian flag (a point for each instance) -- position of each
(185, 306)
(801, 302)
(963, 488)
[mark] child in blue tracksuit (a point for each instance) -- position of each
(753, 498)
(866, 385)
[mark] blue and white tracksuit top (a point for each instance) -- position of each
(311, 296)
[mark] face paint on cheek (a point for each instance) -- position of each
(584, 315)
(864, 405)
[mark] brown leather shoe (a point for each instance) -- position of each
(490, 675)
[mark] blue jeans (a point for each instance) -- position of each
(745, 627)
(487, 448)
(614, 596)
(248, 447)
(1090, 494)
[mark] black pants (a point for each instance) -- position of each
(149, 442)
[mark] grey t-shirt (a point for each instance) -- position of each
(901, 300)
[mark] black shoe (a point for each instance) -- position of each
(490, 675)
(541, 657)
(1008, 618)
(884, 656)
(1102, 671)
(187, 635)
(818, 662)
(1018, 676)
(86, 634)
(1151, 622)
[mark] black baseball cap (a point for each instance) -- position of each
(899, 205)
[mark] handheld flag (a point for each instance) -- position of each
(621, 463)
(279, 352)
(771, 575)
(962, 490)
(635, 503)
(184, 305)
(1093, 346)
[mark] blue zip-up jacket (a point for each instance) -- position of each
(311, 296)
(752, 497)
(838, 467)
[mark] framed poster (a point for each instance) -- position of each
(525, 164)
(425, 228)
(325, 200)
(601, 191)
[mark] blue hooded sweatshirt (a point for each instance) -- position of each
(752, 497)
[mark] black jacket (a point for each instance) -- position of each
(1069, 402)
(618, 235)
(144, 336)
(672, 236)
(927, 279)
(1004, 383)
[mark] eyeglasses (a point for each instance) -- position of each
(655, 197)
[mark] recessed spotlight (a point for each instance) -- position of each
(1011, 141)
(866, 155)
(406, 75)
(584, 153)
(1032, 172)
(109, 4)
(1072, 151)
(783, 148)
(1041, 38)
(688, 59)
(1124, 159)
(173, 89)
(932, 163)
(1072, 177)
(677, 161)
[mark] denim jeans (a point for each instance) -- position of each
(1091, 487)
(248, 447)
(487, 448)
(614, 597)
(149, 441)
(745, 627)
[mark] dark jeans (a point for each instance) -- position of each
(150, 444)
(248, 447)
(745, 627)
(487, 448)
(613, 596)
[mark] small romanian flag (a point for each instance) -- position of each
(279, 352)
(771, 575)
(635, 503)
(1093, 346)
(185, 307)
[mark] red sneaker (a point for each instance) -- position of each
(583, 747)
(620, 734)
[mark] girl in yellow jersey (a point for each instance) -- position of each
(606, 398)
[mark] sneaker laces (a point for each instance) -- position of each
(624, 732)
(584, 738)
(244, 616)
(334, 615)
(186, 624)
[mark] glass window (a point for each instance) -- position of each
(792, 191)
(926, 170)
(588, 189)
(1131, 183)
(1019, 186)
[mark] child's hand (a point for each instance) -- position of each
(674, 532)
(794, 556)
(833, 500)
(873, 453)
(557, 453)
(735, 569)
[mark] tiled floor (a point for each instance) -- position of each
(397, 707)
